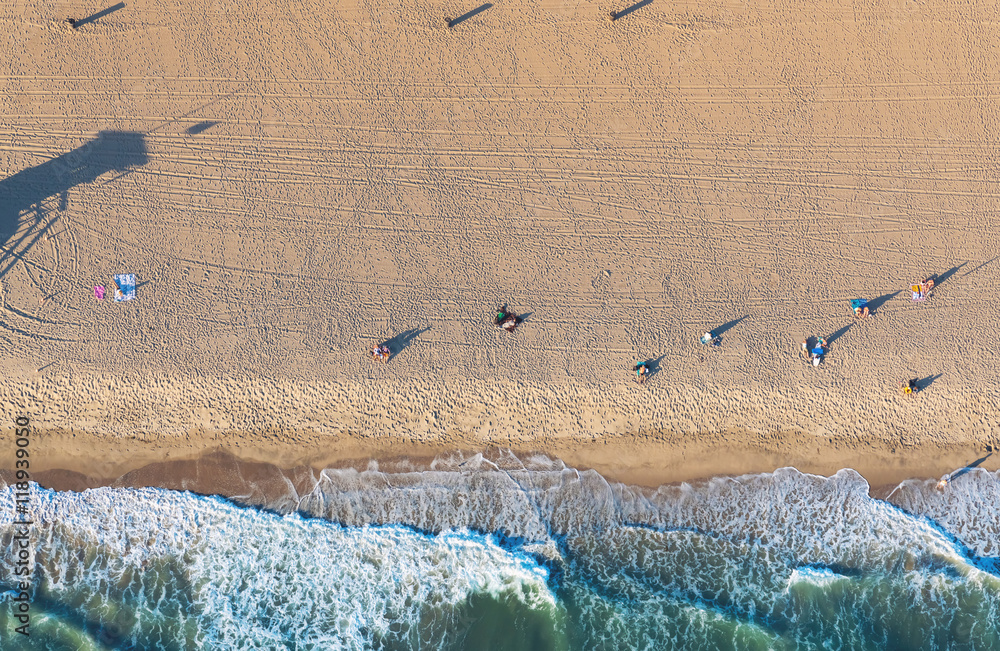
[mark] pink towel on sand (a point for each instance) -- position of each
(99, 292)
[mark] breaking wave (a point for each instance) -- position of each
(511, 553)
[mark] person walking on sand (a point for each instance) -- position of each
(641, 372)
(860, 308)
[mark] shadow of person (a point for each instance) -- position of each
(940, 279)
(927, 381)
(615, 15)
(838, 334)
(876, 303)
(968, 467)
(77, 23)
(26, 193)
(454, 22)
(726, 327)
(200, 127)
(653, 365)
(988, 262)
(400, 342)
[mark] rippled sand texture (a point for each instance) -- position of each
(294, 182)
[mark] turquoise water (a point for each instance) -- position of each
(515, 554)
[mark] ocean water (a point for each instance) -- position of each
(514, 553)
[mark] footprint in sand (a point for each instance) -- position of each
(601, 281)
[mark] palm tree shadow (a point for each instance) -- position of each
(400, 342)
(876, 303)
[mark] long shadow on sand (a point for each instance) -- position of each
(988, 262)
(26, 214)
(968, 467)
(200, 127)
(726, 327)
(940, 279)
(400, 342)
(615, 15)
(654, 366)
(77, 24)
(927, 381)
(453, 22)
(876, 303)
(838, 334)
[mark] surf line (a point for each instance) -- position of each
(21, 543)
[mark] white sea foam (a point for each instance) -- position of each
(966, 507)
(260, 578)
(762, 560)
(821, 521)
(729, 544)
(822, 576)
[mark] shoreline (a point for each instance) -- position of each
(232, 472)
(95, 429)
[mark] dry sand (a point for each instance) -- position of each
(305, 179)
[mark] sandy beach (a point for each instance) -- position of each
(293, 183)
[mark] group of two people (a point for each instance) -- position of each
(380, 353)
(920, 291)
